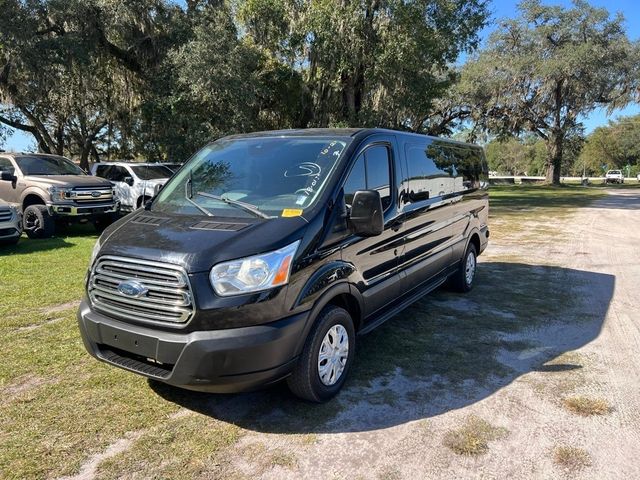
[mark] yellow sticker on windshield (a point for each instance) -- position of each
(291, 212)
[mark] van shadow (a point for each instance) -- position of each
(443, 353)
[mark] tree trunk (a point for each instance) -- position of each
(554, 157)
(84, 154)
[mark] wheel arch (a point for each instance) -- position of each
(342, 295)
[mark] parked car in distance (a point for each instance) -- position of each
(10, 224)
(174, 167)
(134, 183)
(49, 187)
(268, 253)
(614, 176)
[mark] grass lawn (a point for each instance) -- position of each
(59, 407)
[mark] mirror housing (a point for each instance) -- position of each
(157, 189)
(128, 181)
(365, 218)
(7, 176)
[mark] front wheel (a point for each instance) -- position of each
(462, 280)
(37, 223)
(326, 357)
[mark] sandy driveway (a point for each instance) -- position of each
(596, 357)
(554, 319)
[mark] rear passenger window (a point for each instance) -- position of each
(370, 172)
(426, 179)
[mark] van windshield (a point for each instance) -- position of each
(267, 177)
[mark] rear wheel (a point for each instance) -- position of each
(37, 222)
(326, 357)
(462, 280)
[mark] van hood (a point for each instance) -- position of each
(68, 181)
(197, 242)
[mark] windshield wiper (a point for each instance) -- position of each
(246, 206)
(188, 195)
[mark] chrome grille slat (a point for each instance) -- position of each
(125, 271)
(5, 215)
(168, 298)
(83, 195)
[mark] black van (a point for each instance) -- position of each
(267, 254)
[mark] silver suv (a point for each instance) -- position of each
(49, 187)
(10, 224)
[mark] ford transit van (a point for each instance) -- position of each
(268, 254)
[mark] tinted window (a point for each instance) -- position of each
(370, 172)
(462, 162)
(102, 171)
(355, 181)
(117, 173)
(6, 165)
(151, 172)
(49, 165)
(378, 174)
(426, 180)
(441, 168)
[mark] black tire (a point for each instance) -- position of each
(37, 223)
(305, 381)
(101, 222)
(459, 281)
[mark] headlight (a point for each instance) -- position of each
(59, 194)
(94, 253)
(253, 274)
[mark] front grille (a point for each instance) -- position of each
(5, 214)
(82, 195)
(167, 296)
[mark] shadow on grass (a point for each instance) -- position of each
(445, 352)
(28, 246)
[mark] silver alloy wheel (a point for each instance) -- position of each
(470, 268)
(333, 354)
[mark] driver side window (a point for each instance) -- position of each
(370, 172)
(6, 166)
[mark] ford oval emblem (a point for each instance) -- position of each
(131, 288)
(95, 194)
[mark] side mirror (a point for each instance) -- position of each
(128, 181)
(366, 218)
(157, 189)
(7, 176)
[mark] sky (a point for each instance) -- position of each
(500, 9)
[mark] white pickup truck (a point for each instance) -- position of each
(614, 176)
(134, 183)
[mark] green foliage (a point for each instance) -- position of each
(155, 79)
(544, 70)
(613, 146)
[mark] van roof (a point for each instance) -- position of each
(339, 132)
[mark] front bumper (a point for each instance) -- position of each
(229, 360)
(74, 210)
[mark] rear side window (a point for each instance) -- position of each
(370, 172)
(442, 168)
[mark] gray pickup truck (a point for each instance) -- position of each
(46, 188)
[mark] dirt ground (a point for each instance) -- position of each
(557, 397)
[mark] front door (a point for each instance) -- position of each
(376, 258)
(8, 190)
